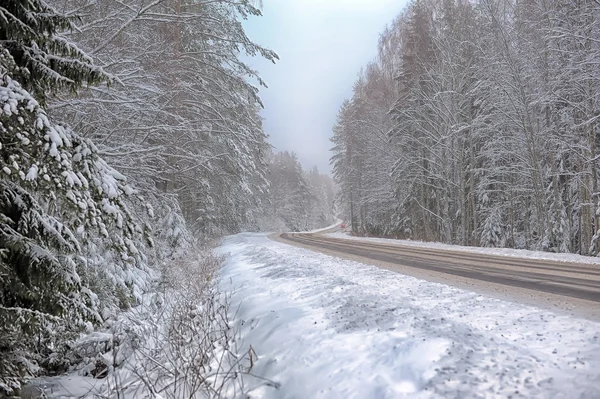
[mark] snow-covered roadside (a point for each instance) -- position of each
(176, 343)
(329, 328)
(517, 253)
(324, 229)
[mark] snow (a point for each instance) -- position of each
(329, 328)
(32, 174)
(321, 230)
(517, 253)
(108, 207)
(150, 210)
(54, 136)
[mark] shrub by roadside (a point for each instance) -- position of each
(178, 343)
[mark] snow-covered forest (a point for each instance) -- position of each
(478, 124)
(130, 137)
(299, 200)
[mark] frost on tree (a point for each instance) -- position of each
(182, 119)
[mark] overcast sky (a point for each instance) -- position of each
(322, 45)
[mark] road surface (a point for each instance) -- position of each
(570, 280)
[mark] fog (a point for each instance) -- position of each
(322, 45)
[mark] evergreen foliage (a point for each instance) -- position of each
(76, 242)
(59, 202)
(44, 61)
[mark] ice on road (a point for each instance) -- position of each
(330, 328)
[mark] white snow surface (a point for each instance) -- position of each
(517, 253)
(329, 328)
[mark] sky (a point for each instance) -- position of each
(322, 45)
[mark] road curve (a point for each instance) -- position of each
(573, 280)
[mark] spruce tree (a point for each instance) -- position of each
(62, 208)
(69, 246)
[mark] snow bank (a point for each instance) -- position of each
(516, 253)
(329, 328)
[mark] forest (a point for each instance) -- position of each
(130, 137)
(131, 141)
(478, 124)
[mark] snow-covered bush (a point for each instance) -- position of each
(492, 231)
(171, 232)
(177, 343)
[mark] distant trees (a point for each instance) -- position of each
(297, 200)
(361, 144)
(321, 206)
(490, 117)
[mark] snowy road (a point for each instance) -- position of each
(574, 280)
(330, 328)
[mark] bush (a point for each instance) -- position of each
(178, 343)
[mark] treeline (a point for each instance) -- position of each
(298, 200)
(478, 124)
(128, 130)
(179, 116)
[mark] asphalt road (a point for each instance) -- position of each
(573, 280)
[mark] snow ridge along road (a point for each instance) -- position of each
(329, 328)
(580, 281)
